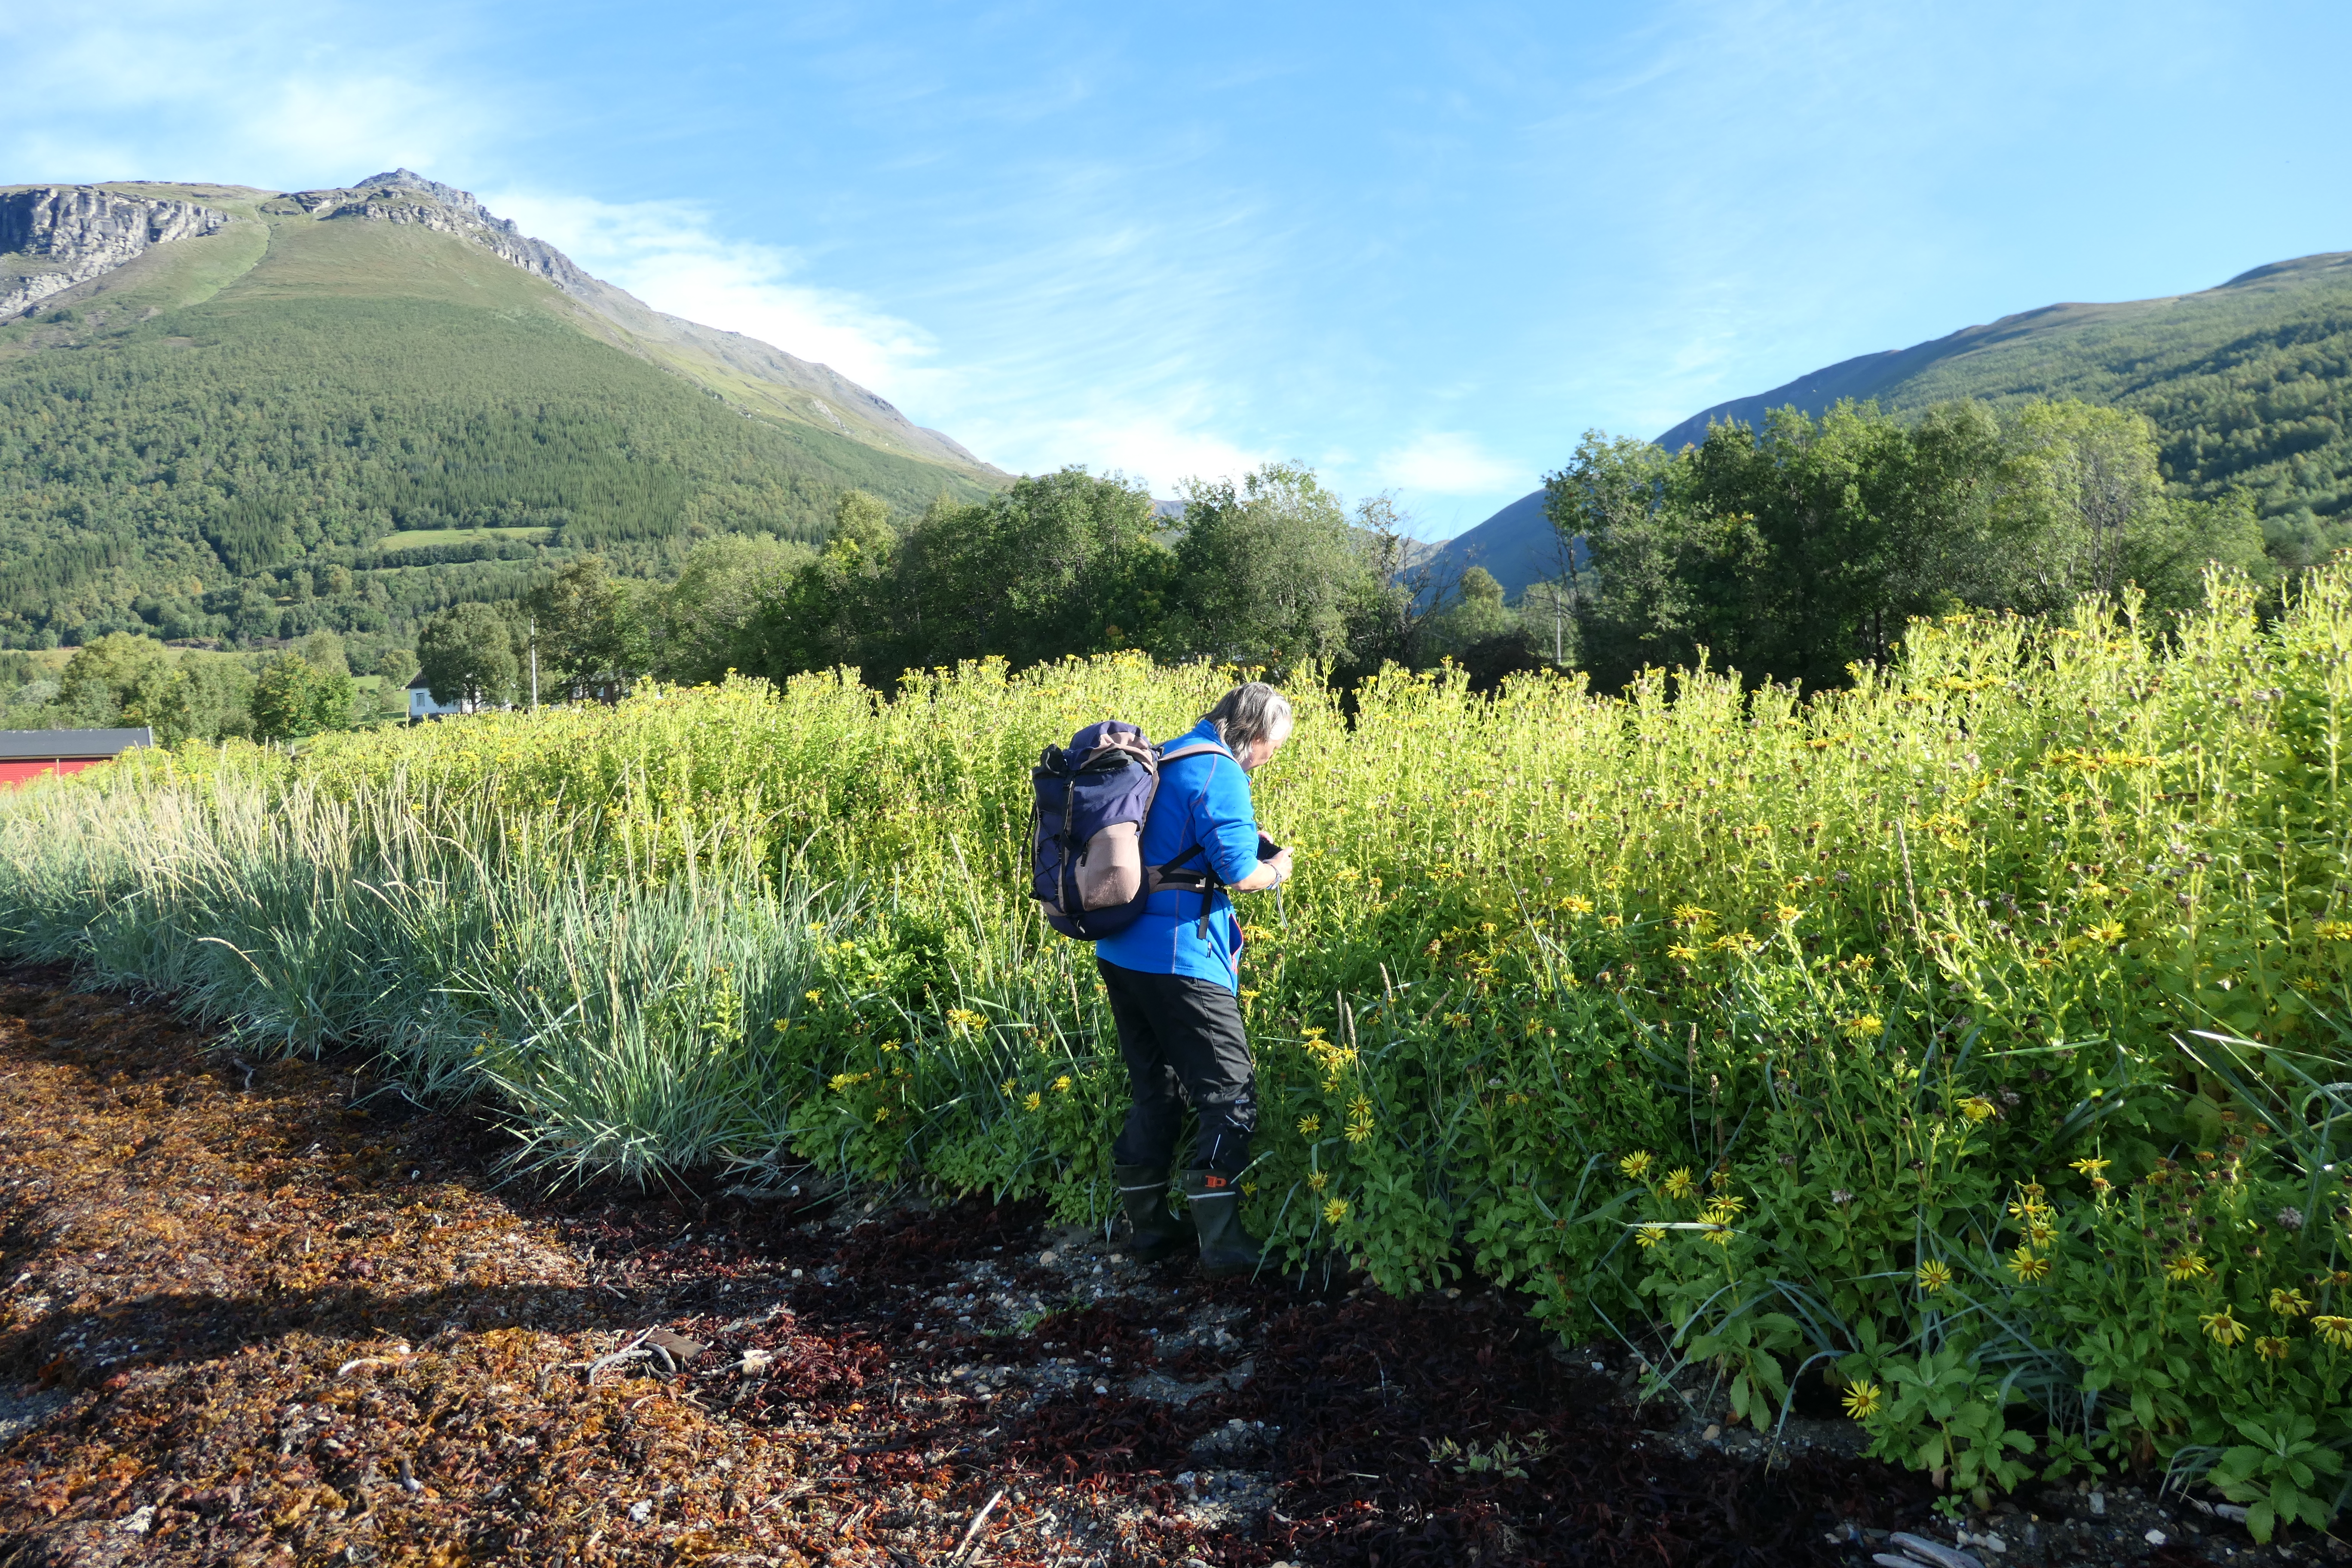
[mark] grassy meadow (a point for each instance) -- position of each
(1972, 1037)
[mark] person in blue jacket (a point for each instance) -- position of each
(1173, 978)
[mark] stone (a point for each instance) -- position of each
(58, 236)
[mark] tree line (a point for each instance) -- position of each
(1796, 551)
(1268, 570)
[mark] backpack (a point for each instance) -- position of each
(1085, 831)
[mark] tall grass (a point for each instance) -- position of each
(1860, 1031)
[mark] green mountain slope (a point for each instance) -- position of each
(220, 433)
(2250, 384)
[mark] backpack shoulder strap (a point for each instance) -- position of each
(1172, 754)
(1206, 878)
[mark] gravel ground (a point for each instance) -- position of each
(261, 1315)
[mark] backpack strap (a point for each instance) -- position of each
(1204, 879)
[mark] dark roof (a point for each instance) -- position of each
(39, 745)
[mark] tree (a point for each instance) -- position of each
(397, 665)
(467, 656)
(1264, 573)
(122, 677)
(705, 618)
(1053, 565)
(1392, 618)
(836, 610)
(2090, 513)
(293, 697)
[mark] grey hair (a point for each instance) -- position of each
(1252, 713)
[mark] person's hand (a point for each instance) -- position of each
(1281, 863)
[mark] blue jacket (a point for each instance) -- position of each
(1202, 800)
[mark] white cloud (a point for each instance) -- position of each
(278, 96)
(1160, 445)
(1449, 464)
(669, 254)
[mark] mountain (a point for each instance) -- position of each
(1516, 545)
(372, 401)
(2250, 384)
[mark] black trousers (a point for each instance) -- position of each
(1182, 1041)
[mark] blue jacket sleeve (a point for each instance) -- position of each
(1223, 821)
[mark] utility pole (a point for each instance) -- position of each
(534, 664)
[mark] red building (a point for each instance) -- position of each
(28, 754)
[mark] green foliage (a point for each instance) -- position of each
(295, 696)
(467, 654)
(1266, 573)
(1978, 1030)
(1800, 550)
(2246, 385)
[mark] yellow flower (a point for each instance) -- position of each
(1679, 1184)
(2040, 1233)
(1317, 1180)
(2221, 1328)
(813, 995)
(1934, 1275)
(881, 1114)
(1721, 1236)
(1576, 904)
(1034, 1102)
(1308, 1126)
(2091, 1167)
(2289, 1303)
(1723, 1209)
(1681, 954)
(965, 1018)
(2336, 1331)
(1692, 918)
(1062, 1084)
(2028, 1269)
(1649, 1235)
(1335, 1211)
(1636, 1165)
(1863, 1027)
(1613, 922)
(1788, 914)
(2334, 931)
(1977, 1107)
(1007, 1086)
(2183, 1267)
(2272, 1348)
(1863, 1400)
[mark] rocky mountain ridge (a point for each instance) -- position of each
(403, 196)
(54, 236)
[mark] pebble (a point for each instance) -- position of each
(2155, 1537)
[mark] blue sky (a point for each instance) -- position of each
(1420, 248)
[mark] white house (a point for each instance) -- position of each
(421, 705)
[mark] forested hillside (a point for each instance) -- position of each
(2246, 384)
(244, 435)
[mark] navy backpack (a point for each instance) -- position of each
(1086, 831)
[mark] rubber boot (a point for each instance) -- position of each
(1216, 1206)
(1158, 1232)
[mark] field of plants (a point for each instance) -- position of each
(1971, 1038)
